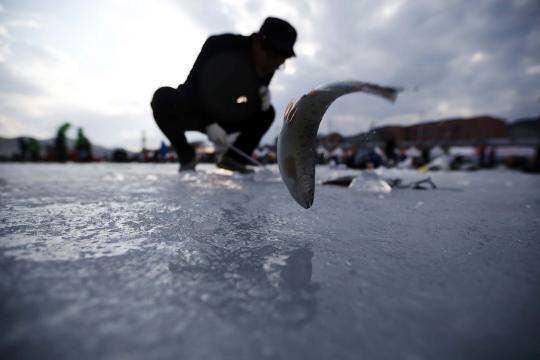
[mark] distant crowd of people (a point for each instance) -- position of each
(31, 149)
(434, 158)
(372, 156)
(367, 156)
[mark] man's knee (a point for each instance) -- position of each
(164, 100)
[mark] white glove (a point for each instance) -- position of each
(266, 100)
(217, 135)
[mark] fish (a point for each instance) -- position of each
(297, 139)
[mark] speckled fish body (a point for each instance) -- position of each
(297, 139)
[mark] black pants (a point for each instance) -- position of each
(174, 120)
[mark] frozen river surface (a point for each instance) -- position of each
(134, 261)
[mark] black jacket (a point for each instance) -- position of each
(223, 74)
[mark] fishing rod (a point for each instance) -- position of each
(246, 156)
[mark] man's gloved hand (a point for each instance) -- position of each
(217, 135)
(266, 99)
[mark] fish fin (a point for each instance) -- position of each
(292, 113)
(287, 115)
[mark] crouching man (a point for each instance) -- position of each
(225, 92)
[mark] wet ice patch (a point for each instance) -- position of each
(64, 228)
(60, 248)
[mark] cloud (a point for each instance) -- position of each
(27, 23)
(3, 44)
(12, 83)
(460, 57)
(46, 81)
(10, 127)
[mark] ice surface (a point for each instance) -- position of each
(136, 261)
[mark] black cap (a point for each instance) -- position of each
(278, 35)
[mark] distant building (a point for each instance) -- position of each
(525, 130)
(448, 131)
(331, 140)
(474, 130)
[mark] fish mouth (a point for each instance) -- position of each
(304, 198)
(308, 203)
(305, 203)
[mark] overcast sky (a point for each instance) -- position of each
(96, 63)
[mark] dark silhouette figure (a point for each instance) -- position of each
(390, 152)
(119, 155)
(34, 149)
(83, 147)
(23, 148)
(426, 155)
(225, 92)
(29, 149)
(60, 143)
(534, 164)
(481, 152)
(163, 151)
(492, 157)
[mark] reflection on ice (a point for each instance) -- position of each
(260, 283)
(291, 270)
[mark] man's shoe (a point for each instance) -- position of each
(228, 163)
(190, 166)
